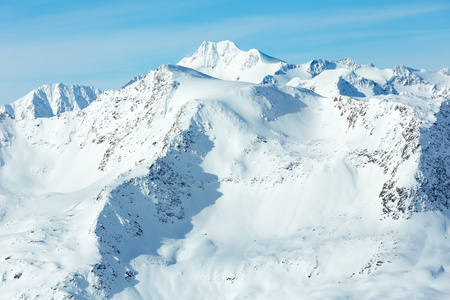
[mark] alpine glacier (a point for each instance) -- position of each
(231, 175)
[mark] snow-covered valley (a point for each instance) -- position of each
(232, 175)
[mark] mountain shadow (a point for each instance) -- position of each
(347, 89)
(433, 192)
(142, 212)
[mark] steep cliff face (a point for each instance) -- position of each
(183, 185)
(433, 175)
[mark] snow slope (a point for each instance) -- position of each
(186, 185)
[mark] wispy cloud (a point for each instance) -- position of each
(73, 53)
(307, 21)
(382, 14)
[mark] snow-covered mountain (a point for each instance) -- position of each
(233, 175)
(50, 100)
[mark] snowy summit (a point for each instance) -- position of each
(231, 175)
(226, 61)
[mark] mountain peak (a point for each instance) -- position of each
(209, 54)
(348, 63)
(52, 99)
(220, 47)
(317, 66)
(226, 61)
(405, 76)
(445, 71)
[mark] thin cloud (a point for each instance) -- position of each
(321, 19)
(74, 54)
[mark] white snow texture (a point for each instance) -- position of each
(232, 175)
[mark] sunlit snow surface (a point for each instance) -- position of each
(327, 180)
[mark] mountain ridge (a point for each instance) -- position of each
(237, 62)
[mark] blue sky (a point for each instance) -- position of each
(105, 43)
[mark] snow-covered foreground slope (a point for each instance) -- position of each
(185, 186)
